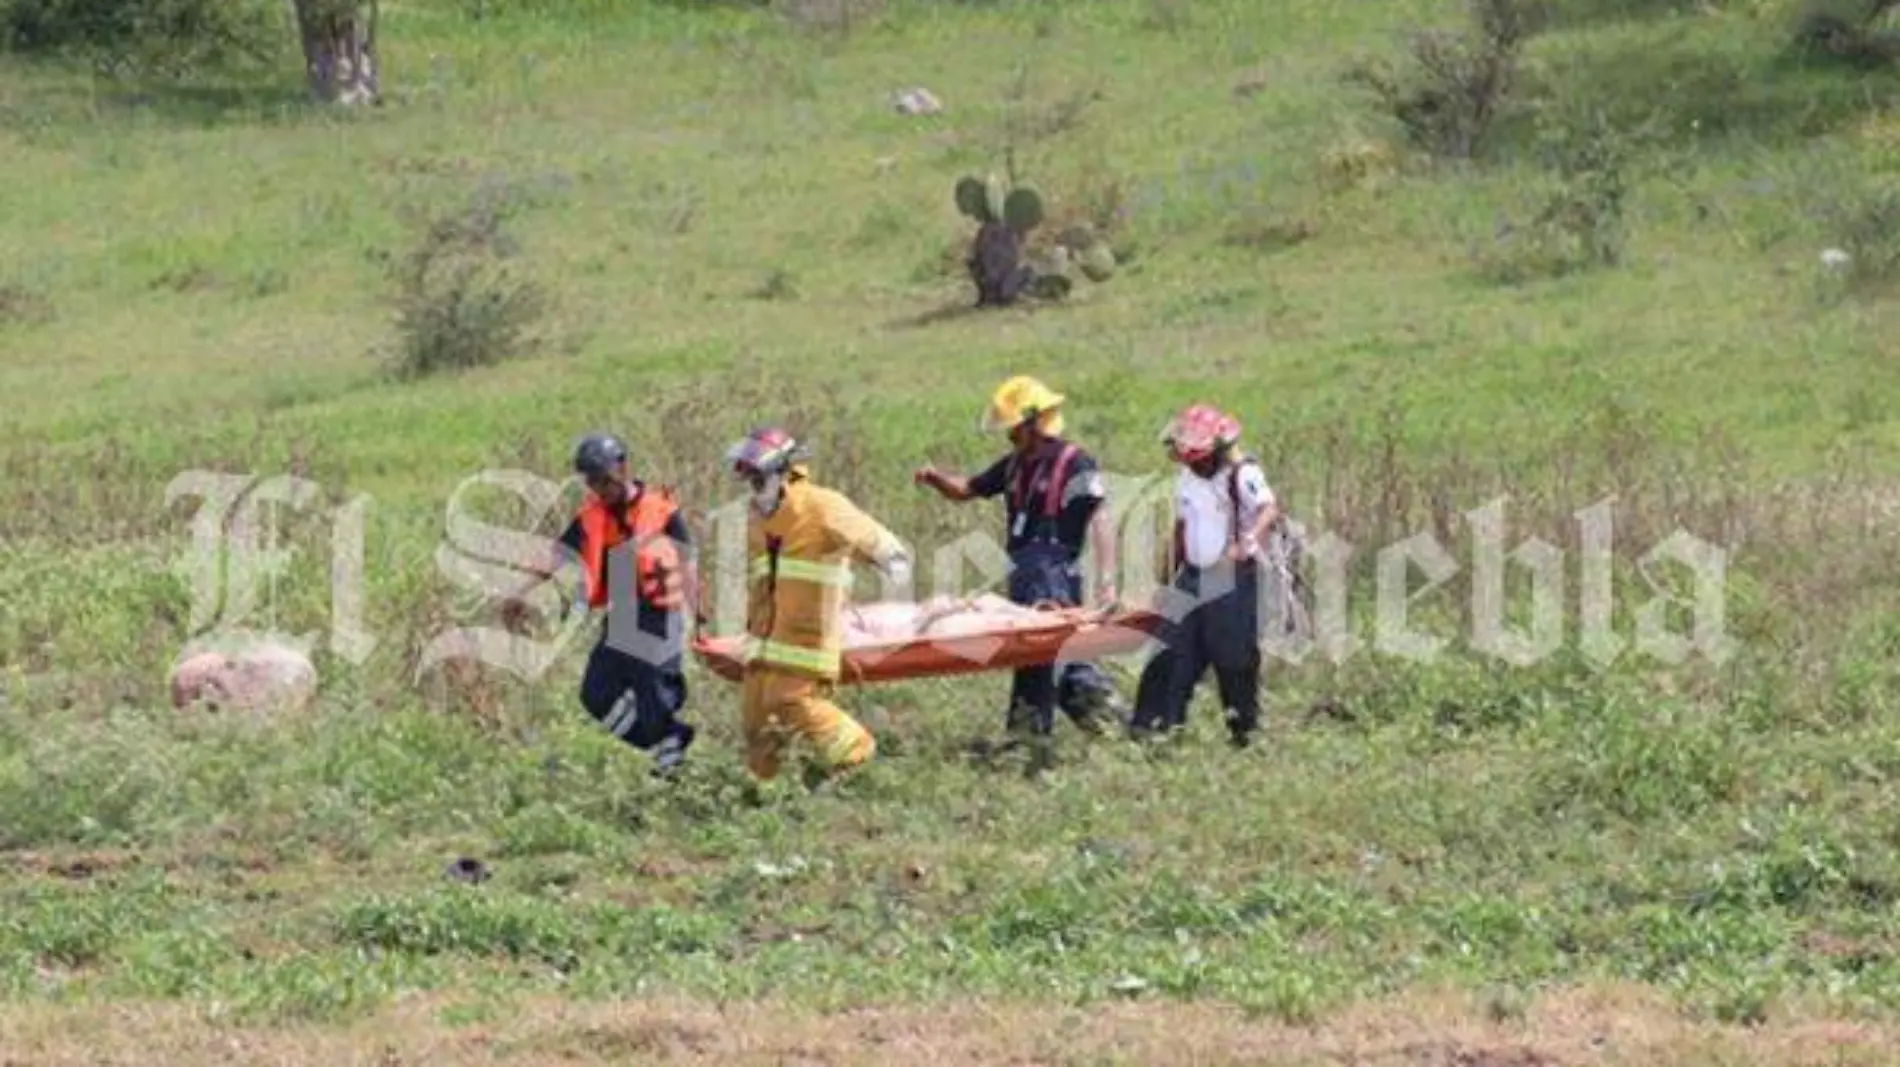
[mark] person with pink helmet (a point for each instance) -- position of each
(1223, 510)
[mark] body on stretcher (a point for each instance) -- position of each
(896, 641)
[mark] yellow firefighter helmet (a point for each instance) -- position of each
(1020, 399)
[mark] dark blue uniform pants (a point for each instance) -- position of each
(1220, 632)
(1038, 574)
(635, 700)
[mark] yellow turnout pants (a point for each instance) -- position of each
(782, 707)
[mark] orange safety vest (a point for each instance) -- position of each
(657, 561)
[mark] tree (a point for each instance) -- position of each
(181, 39)
(339, 49)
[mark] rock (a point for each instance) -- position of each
(266, 676)
(918, 100)
(467, 870)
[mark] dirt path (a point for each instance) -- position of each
(1573, 1028)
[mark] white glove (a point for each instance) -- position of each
(897, 567)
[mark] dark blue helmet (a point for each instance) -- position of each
(598, 453)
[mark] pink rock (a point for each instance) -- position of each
(262, 677)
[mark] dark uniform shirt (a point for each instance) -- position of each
(1023, 483)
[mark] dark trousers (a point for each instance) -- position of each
(1222, 632)
(635, 700)
(1045, 573)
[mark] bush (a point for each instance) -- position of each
(1864, 222)
(19, 304)
(828, 16)
(460, 301)
(1459, 81)
(1848, 32)
(171, 37)
(1580, 223)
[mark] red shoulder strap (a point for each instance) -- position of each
(1052, 491)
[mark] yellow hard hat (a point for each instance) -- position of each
(1020, 398)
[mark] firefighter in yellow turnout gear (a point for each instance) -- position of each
(800, 541)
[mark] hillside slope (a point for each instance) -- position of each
(733, 224)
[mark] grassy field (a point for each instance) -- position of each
(1458, 861)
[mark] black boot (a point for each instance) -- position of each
(670, 753)
(1095, 708)
(1240, 731)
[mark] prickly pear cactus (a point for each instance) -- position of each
(989, 200)
(1076, 238)
(1050, 286)
(1079, 249)
(996, 266)
(1022, 210)
(973, 200)
(1097, 262)
(995, 196)
(1006, 217)
(1003, 217)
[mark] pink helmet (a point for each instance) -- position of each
(1198, 431)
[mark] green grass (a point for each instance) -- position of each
(735, 226)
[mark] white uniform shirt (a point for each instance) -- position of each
(1206, 510)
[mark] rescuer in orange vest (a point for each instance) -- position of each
(800, 540)
(634, 684)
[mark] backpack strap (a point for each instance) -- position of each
(1233, 492)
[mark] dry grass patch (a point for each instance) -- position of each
(1603, 1026)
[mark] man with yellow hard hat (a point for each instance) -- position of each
(1053, 496)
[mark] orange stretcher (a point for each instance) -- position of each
(897, 641)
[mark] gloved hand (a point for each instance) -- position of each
(898, 568)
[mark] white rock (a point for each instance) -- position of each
(918, 100)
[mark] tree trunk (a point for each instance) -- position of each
(339, 49)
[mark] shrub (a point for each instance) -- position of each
(1864, 222)
(170, 37)
(1458, 82)
(1580, 223)
(828, 16)
(19, 304)
(1848, 32)
(460, 301)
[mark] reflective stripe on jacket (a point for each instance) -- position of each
(799, 576)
